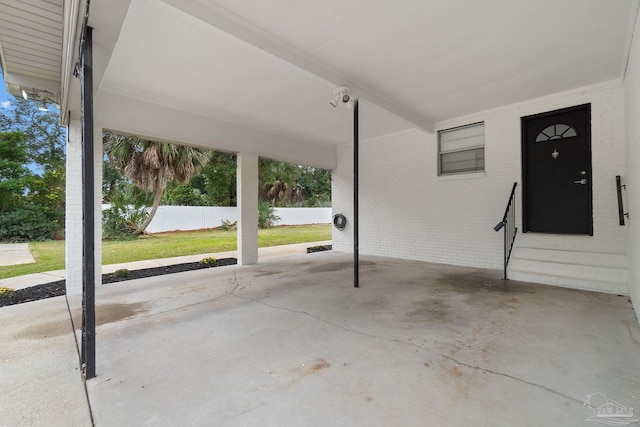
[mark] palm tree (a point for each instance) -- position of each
(278, 181)
(151, 164)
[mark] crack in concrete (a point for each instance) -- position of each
(397, 341)
(253, 408)
(235, 281)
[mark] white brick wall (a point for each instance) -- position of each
(98, 160)
(632, 177)
(407, 211)
(342, 197)
(73, 213)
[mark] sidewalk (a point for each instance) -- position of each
(15, 253)
(28, 280)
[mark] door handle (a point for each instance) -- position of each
(583, 181)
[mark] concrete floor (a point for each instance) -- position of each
(40, 379)
(290, 342)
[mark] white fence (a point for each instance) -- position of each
(171, 218)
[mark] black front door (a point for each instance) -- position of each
(556, 171)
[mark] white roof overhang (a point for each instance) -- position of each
(268, 68)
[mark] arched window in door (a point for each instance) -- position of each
(558, 131)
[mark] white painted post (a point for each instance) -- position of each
(247, 185)
(73, 210)
(98, 160)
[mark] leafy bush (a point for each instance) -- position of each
(266, 215)
(228, 225)
(5, 292)
(28, 223)
(209, 261)
(121, 219)
(182, 195)
(115, 225)
(123, 272)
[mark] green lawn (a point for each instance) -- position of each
(50, 255)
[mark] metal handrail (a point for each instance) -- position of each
(620, 186)
(508, 224)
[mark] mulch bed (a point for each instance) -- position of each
(54, 289)
(320, 248)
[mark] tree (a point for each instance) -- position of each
(45, 137)
(111, 179)
(218, 180)
(47, 191)
(315, 187)
(278, 181)
(151, 164)
(183, 195)
(13, 174)
(44, 143)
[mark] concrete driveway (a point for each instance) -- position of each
(290, 342)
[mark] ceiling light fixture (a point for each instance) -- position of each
(24, 94)
(43, 107)
(341, 94)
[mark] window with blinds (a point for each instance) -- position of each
(461, 149)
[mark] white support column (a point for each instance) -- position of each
(98, 160)
(73, 209)
(247, 184)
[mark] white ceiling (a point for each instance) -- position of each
(171, 58)
(31, 47)
(273, 64)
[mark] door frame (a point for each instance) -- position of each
(523, 145)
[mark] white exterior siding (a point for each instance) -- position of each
(632, 177)
(407, 211)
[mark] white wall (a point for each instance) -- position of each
(632, 177)
(407, 211)
(170, 218)
(73, 208)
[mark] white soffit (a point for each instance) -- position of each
(31, 47)
(170, 58)
(447, 58)
(440, 59)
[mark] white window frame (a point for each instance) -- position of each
(442, 152)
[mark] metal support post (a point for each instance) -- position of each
(356, 264)
(88, 208)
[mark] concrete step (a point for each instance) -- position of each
(573, 269)
(570, 257)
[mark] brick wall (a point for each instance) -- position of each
(407, 211)
(73, 213)
(632, 177)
